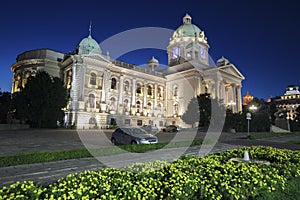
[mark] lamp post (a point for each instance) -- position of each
(248, 117)
(288, 121)
(252, 108)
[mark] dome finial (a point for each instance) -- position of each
(90, 29)
(187, 19)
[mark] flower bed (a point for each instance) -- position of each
(211, 177)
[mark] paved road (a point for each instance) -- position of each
(15, 142)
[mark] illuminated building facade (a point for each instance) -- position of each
(104, 91)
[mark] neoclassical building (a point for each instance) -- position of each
(104, 91)
(288, 103)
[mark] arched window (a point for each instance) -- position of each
(126, 106)
(159, 93)
(159, 107)
(92, 121)
(112, 104)
(149, 90)
(176, 107)
(175, 91)
(113, 84)
(93, 79)
(27, 74)
(138, 106)
(138, 88)
(149, 105)
(92, 101)
(126, 86)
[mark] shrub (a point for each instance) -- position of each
(210, 177)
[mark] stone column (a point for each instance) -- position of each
(103, 86)
(239, 99)
(145, 94)
(133, 91)
(217, 83)
(226, 99)
(196, 89)
(233, 86)
(155, 96)
(121, 90)
(223, 96)
(107, 82)
(74, 91)
(199, 85)
(120, 105)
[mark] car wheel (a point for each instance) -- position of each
(113, 141)
(133, 142)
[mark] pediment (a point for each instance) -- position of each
(231, 70)
(99, 57)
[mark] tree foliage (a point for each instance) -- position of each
(205, 109)
(191, 116)
(41, 101)
(5, 104)
(198, 110)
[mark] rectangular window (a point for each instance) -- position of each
(127, 121)
(196, 54)
(139, 122)
(150, 122)
(161, 123)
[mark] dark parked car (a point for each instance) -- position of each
(171, 128)
(150, 129)
(132, 135)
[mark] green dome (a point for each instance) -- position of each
(187, 29)
(89, 45)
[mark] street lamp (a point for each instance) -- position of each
(253, 108)
(248, 117)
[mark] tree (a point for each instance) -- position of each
(41, 101)
(191, 116)
(204, 101)
(199, 110)
(5, 104)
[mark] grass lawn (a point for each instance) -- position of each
(294, 141)
(269, 135)
(39, 157)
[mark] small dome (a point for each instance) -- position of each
(153, 60)
(223, 61)
(188, 29)
(89, 45)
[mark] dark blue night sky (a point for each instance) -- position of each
(261, 38)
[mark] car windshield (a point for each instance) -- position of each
(134, 131)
